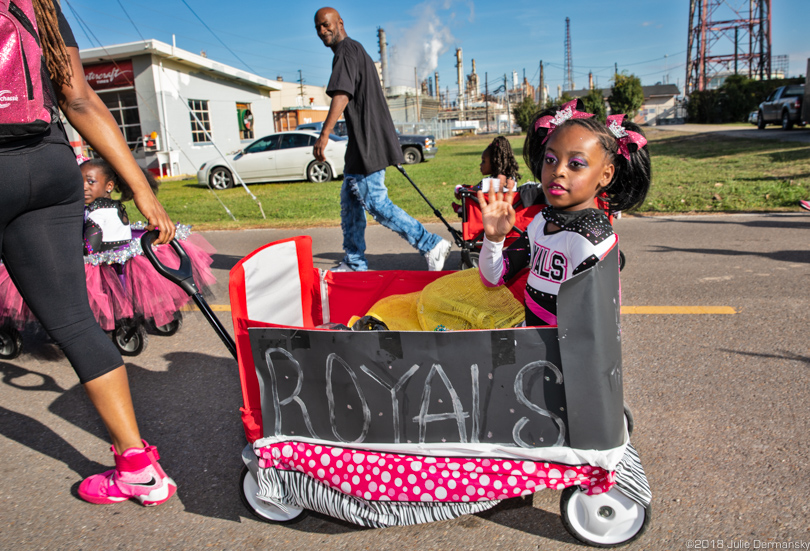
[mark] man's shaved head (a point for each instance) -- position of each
(329, 27)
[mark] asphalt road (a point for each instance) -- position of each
(796, 134)
(720, 404)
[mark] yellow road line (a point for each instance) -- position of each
(214, 307)
(678, 310)
(725, 310)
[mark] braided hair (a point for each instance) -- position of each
(502, 160)
(120, 185)
(53, 46)
(631, 178)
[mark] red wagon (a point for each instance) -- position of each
(384, 428)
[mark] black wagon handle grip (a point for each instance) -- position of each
(183, 275)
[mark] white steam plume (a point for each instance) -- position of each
(418, 46)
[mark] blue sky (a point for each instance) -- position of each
(272, 38)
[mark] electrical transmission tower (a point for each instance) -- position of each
(727, 36)
(569, 68)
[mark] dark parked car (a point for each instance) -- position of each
(339, 129)
(415, 147)
(783, 106)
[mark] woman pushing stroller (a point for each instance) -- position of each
(41, 218)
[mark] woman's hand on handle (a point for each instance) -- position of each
(497, 212)
(155, 215)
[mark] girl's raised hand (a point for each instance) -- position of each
(496, 209)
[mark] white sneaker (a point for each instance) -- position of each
(342, 267)
(437, 255)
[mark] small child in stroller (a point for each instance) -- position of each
(498, 159)
(121, 283)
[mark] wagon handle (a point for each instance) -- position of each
(453, 231)
(181, 276)
(184, 278)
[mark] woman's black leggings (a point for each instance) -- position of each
(41, 222)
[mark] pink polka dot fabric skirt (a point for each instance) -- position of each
(377, 476)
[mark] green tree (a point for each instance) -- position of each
(559, 101)
(627, 95)
(524, 112)
(594, 103)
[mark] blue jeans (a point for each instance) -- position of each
(362, 193)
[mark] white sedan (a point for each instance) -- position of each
(279, 157)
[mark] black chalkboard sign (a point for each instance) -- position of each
(512, 387)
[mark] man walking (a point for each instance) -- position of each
(373, 145)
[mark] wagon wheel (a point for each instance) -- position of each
(469, 259)
(603, 520)
(130, 339)
(248, 488)
(10, 343)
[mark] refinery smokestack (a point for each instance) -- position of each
(460, 70)
(436, 83)
(383, 57)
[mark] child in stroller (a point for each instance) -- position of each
(123, 287)
(124, 290)
(497, 160)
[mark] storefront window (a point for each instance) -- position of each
(245, 117)
(200, 120)
(123, 105)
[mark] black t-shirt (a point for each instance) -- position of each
(54, 133)
(373, 143)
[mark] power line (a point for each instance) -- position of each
(130, 20)
(217, 37)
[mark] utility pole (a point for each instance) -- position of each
(416, 83)
(486, 96)
(542, 96)
(508, 112)
(301, 87)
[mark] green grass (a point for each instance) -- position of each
(710, 173)
(691, 173)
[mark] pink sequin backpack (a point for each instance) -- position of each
(24, 109)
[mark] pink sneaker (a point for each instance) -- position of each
(804, 204)
(137, 475)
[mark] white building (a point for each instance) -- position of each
(172, 104)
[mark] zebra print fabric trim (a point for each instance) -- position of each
(294, 488)
(630, 477)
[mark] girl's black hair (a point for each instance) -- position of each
(631, 179)
(501, 158)
(120, 185)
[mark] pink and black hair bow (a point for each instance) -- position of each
(566, 112)
(629, 141)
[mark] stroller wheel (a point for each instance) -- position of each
(130, 339)
(602, 520)
(10, 343)
(469, 259)
(248, 488)
(168, 329)
(622, 261)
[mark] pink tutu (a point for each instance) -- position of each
(108, 299)
(156, 298)
(13, 309)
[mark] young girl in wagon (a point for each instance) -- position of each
(576, 158)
